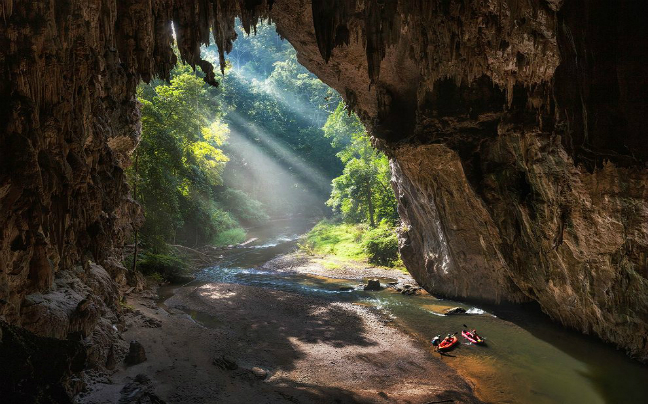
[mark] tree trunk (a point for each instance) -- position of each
(135, 197)
(372, 223)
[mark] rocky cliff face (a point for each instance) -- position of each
(515, 136)
(515, 130)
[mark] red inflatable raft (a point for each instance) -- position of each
(472, 337)
(448, 343)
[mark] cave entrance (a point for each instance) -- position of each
(271, 143)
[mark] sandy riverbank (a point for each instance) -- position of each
(286, 348)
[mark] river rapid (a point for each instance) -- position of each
(526, 359)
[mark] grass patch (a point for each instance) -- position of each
(230, 236)
(330, 264)
(353, 242)
(340, 240)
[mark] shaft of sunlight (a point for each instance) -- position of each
(307, 171)
(265, 174)
(294, 104)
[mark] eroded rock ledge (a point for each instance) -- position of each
(515, 129)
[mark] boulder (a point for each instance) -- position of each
(259, 373)
(373, 284)
(454, 310)
(225, 362)
(139, 391)
(136, 353)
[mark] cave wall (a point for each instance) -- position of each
(69, 121)
(515, 131)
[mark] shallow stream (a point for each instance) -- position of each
(526, 359)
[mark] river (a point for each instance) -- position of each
(527, 358)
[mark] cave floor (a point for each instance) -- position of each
(287, 348)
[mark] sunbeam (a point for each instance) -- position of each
(266, 177)
(294, 104)
(304, 170)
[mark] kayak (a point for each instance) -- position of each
(472, 337)
(448, 343)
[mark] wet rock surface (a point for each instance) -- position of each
(405, 289)
(454, 311)
(373, 284)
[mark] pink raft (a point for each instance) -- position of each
(472, 336)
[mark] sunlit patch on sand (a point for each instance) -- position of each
(213, 292)
(491, 381)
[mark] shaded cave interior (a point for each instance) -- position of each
(516, 131)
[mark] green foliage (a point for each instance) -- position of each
(381, 245)
(362, 193)
(275, 109)
(231, 236)
(358, 242)
(169, 267)
(342, 240)
(180, 162)
(244, 208)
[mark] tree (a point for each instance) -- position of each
(362, 192)
(180, 161)
(275, 109)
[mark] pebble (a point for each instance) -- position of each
(259, 372)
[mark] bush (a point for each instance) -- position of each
(169, 267)
(335, 239)
(381, 246)
(204, 223)
(230, 236)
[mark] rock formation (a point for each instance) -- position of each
(515, 133)
(69, 121)
(514, 129)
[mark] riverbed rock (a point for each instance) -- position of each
(139, 391)
(259, 373)
(410, 291)
(225, 362)
(152, 323)
(373, 285)
(111, 360)
(35, 369)
(136, 353)
(454, 311)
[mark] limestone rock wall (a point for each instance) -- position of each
(69, 121)
(516, 132)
